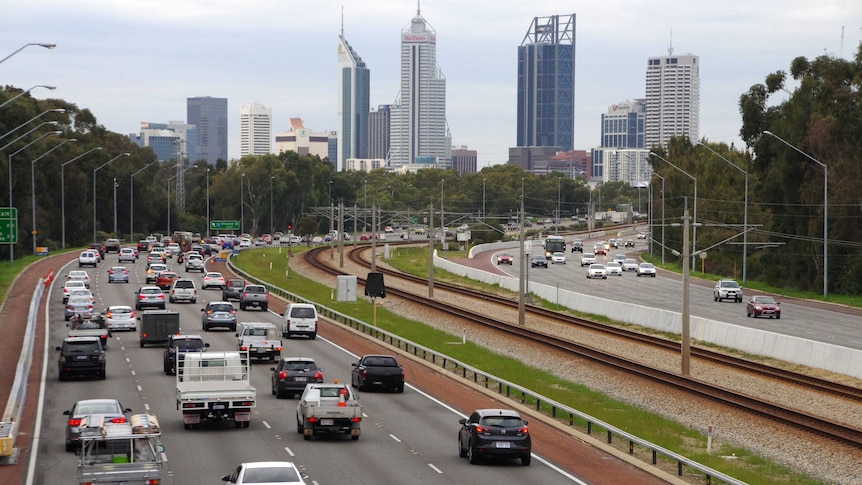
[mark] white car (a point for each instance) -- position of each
(269, 472)
(630, 265)
(212, 279)
(597, 271)
(120, 317)
(88, 258)
(173, 248)
(245, 242)
(79, 275)
(558, 258)
(81, 293)
(127, 254)
(588, 259)
(646, 269)
(70, 286)
(614, 268)
(641, 235)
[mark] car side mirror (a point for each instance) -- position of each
(463, 420)
(203, 309)
(58, 348)
(206, 345)
(272, 369)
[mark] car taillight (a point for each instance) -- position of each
(480, 429)
(318, 375)
(119, 420)
(524, 430)
(282, 374)
(132, 315)
(243, 347)
(108, 315)
(75, 422)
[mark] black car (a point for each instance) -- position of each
(292, 374)
(494, 432)
(538, 260)
(81, 356)
(578, 246)
(143, 246)
(98, 247)
(178, 345)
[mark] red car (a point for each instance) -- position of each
(504, 258)
(763, 306)
(166, 280)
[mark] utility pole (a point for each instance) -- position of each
(522, 280)
(431, 251)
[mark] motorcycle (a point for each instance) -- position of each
(180, 258)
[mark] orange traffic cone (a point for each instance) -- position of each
(341, 397)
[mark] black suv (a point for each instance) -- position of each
(232, 289)
(494, 432)
(578, 246)
(81, 356)
(178, 345)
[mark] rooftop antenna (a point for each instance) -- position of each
(418, 9)
(670, 47)
(342, 21)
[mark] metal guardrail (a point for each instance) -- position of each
(592, 425)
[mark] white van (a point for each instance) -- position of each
(300, 319)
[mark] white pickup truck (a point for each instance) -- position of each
(328, 408)
(128, 453)
(215, 386)
(260, 339)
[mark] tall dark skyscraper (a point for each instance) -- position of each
(354, 87)
(209, 115)
(546, 83)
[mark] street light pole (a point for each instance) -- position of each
(650, 235)
(242, 204)
(94, 187)
(115, 206)
(40, 44)
(63, 188)
(53, 110)
(33, 186)
(132, 202)
(694, 236)
(16, 140)
(270, 205)
(208, 201)
(483, 199)
(745, 210)
(825, 209)
(365, 209)
(25, 92)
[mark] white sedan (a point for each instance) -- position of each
(213, 279)
(588, 259)
(79, 275)
(646, 269)
(558, 258)
(120, 317)
(597, 271)
(630, 264)
(614, 268)
(268, 472)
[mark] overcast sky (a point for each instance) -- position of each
(130, 62)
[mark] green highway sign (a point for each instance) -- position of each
(8, 225)
(224, 225)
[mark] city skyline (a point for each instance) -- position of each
(127, 67)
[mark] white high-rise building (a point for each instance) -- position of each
(419, 134)
(672, 98)
(255, 129)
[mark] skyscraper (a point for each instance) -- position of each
(624, 124)
(672, 98)
(209, 115)
(546, 83)
(419, 133)
(378, 131)
(354, 86)
(255, 129)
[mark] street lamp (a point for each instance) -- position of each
(52, 110)
(33, 185)
(208, 201)
(182, 171)
(270, 204)
(744, 217)
(27, 91)
(14, 230)
(651, 232)
(557, 222)
(132, 201)
(365, 209)
(94, 187)
(483, 198)
(63, 188)
(53, 123)
(242, 204)
(115, 206)
(694, 235)
(825, 209)
(40, 44)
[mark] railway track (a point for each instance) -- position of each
(839, 432)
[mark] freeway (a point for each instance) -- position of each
(798, 319)
(407, 438)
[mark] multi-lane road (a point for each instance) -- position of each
(406, 438)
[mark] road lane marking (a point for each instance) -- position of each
(394, 438)
(289, 451)
(266, 424)
(435, 468)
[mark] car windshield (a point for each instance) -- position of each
(151, 291)
(613, 264)
(597, 266)
(221, 307)
(213, 275)
(188, 344)
(84, 346)
(381, 361)
(255, 289)
(647, 265)
(300, 365)
(119, 269)
(729, 284)
(98, 408)
(764, 300)
(502, 421)
(270, 475)
(116, 310)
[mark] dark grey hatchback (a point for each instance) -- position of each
(292, 374)
(218, 314)
(494, 432)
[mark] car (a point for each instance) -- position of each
(112, 246)
(177, 347)
(81, 356)
(127, 254)
(642, 235)
(88, 258)
(194, 262)
(79, 275)
(78, 305)
(588, 259)
(763, 306)
(364, 237)
(578, 246)
(600, 248)
(72, 285)
(110, 410)
(232, 289)
(266, 472)
(538, 260)
(166, 279)
(597, 270)
(245, 242)
(646, 269)
(99, 248)
(220, 314)
(615, 243)
(318, 240)
(120, 317)
(172, 250)
(292, 374)
(494, 432)
(156, 255)
(630, 264)
(143, 245)
(119, 274)
(505, 258)
(183, 289)
(727, 290)
(149, 296)
(213, 279)
(81, 292)
(620, 258)
(630, 243)
(614, 268)
(153, 272)
(254, 295)
(558, 257)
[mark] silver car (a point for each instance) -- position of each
(614, 268)
(118, 274)
(79, 305)
(109, 409)
(120, 317)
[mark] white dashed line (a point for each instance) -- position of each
(289, 451)
(140, 389)
(435, 468)
(266, 424)
(395, 438)
(147, 406)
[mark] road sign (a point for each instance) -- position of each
(8, 225)
(224, 225)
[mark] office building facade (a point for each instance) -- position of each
(378, 131)
(168, 141)
(255, 129)
(209, 115)
(354, 91)
(546, 83)
(623, 126)
(418, 130)
(672, 98)
(464, 160)
(303, 141)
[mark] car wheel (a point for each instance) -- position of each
(653, 275)
(778, 317)
(264, 308)
(102, 375)
(739, 300)
(525, 460)
(187, 426)
(461, 451)
(237, 424)
(472, 455)
(715, 298)
(400, 388)
(70, 446)
(299, 427)
(313, 336)
(61, 376)
(241, 306)
(354, 437)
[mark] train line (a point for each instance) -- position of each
(837, 431)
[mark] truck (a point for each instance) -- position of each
(215, 386)
(328, 408)
(157, 326)
(129, 452)
(95, 326)
(254, 295)
(382, 371)
(260, 339)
